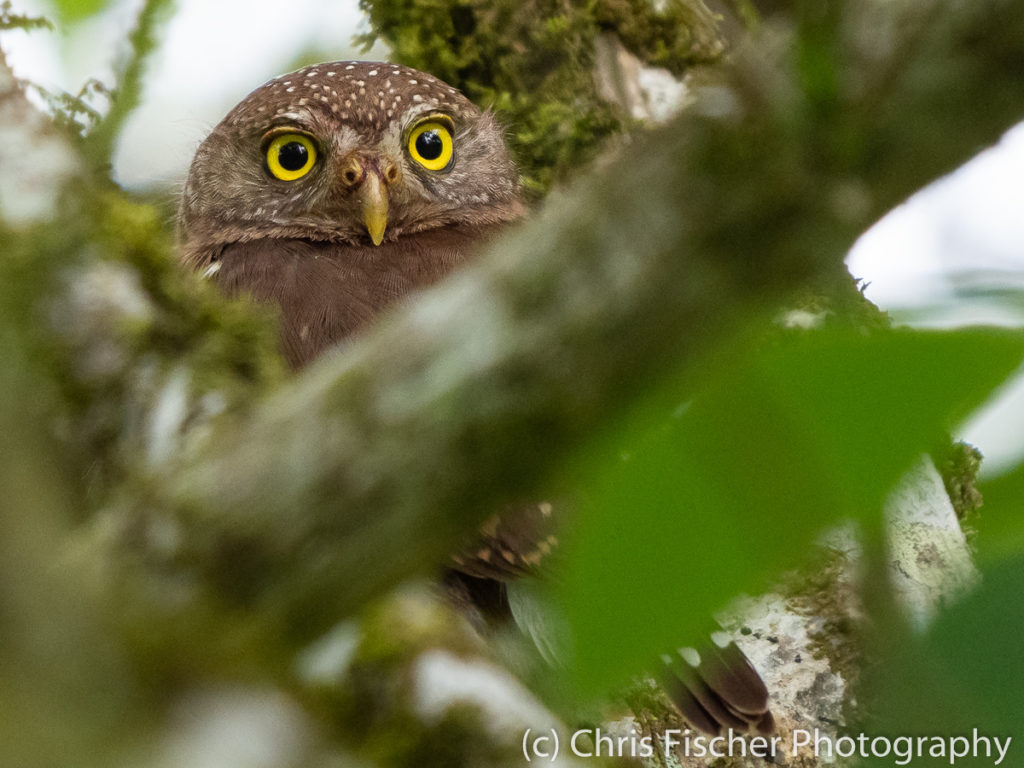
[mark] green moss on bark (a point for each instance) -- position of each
(959, 468)
(374, 706)
(533, 63)
(672, 35)
(11, 20)
(107, 315)
(824, 591)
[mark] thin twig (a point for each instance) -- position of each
(128, 88)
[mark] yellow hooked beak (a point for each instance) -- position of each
(373, 203)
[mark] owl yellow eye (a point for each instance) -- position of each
(291, 156)
(431, 145)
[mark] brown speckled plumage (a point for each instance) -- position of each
(234, 213)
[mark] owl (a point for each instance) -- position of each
(335, 191)
(338, 189)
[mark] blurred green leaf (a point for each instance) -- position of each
(978, 644)
(1000, 525)
(75, 10)
(64, 687)
(718, 479)
(966, 674)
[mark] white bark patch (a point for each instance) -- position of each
(328, 659)
(648, 93)
(168, 418)
(781, 644)
(930, 562)
(236, 728)
(444, 680)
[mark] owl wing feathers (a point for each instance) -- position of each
(510, 544)
(715, 687)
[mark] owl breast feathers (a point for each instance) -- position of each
(335, 190)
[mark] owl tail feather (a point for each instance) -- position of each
(717, 688)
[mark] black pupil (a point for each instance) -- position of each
(293, 156)
(429, 145)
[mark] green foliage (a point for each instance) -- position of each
(230, 346)
(672, 35)
(128, 88)
(374, 711)
(63, 689)
(75, 10)
(11, 20)
(959, 467)
(193, 318)
(966, 673)
(76, 114)
(752, 456)
(533, 64)
(73, 113)
(1000, 526)
(93, 298)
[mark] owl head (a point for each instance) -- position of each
(348, 152)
